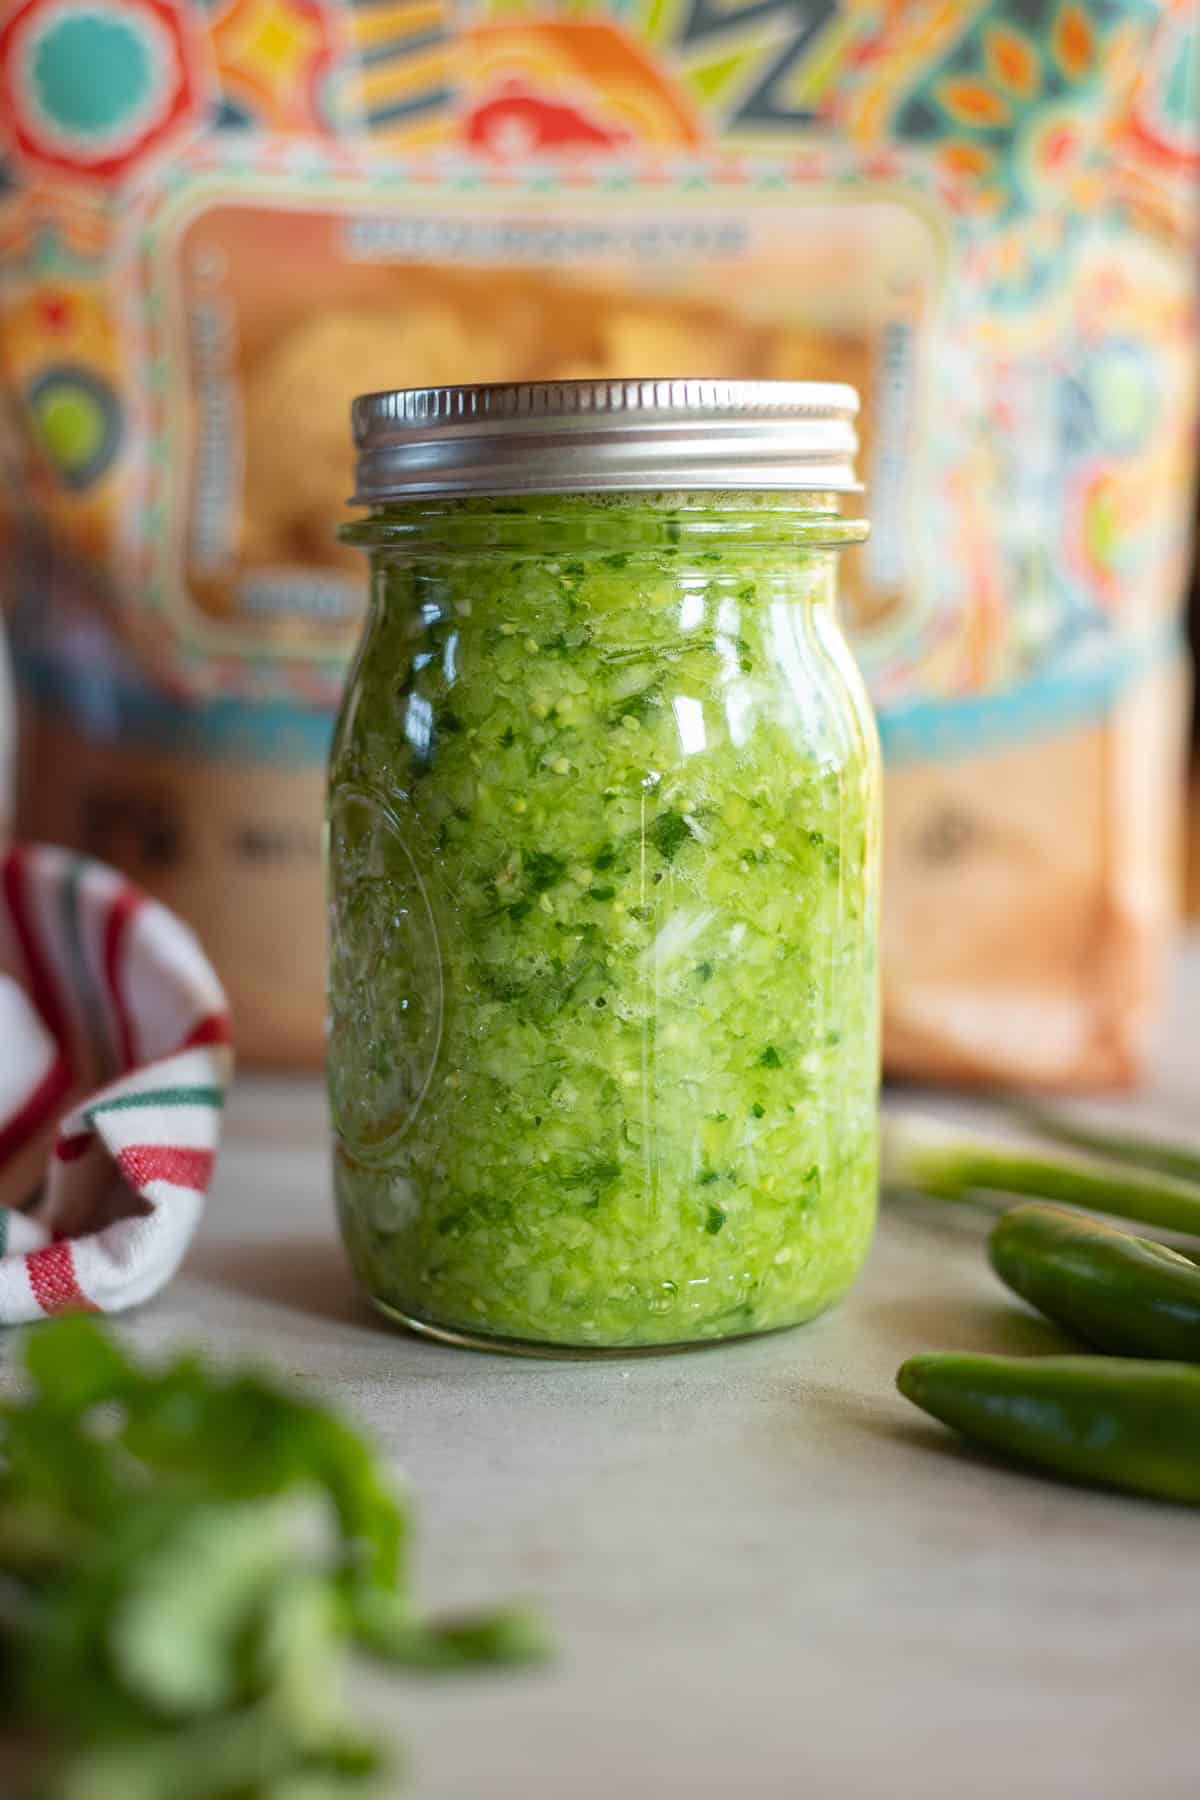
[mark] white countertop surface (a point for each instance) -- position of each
(768, 1576)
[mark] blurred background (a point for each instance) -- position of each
(220, 221)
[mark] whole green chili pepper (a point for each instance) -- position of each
(1131, 1147)
(1097, 1419)
(1122, 1293)
(957, 1162)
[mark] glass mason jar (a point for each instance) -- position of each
(603, 842)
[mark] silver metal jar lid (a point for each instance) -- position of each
(555, 437)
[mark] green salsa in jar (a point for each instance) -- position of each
(604, 834)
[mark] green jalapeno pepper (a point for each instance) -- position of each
(1119, 1292)
(1095, 1419)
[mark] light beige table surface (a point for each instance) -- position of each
(768, 1576)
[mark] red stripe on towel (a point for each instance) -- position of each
(185, 1167)
(43, 986)
(53, 1280)
(37, 1110)
(214, 1028)
(116, 927)
(70, 1149)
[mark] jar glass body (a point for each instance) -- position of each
(603, 842)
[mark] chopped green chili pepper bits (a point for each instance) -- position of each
(604, 1050)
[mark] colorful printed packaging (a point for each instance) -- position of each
(219, 222)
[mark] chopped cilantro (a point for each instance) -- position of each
(667, 833)
(601, 1173)
(543, 869)
(637, 706)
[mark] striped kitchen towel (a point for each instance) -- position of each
(115, 1056)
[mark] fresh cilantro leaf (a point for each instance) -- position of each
(186, 1557)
